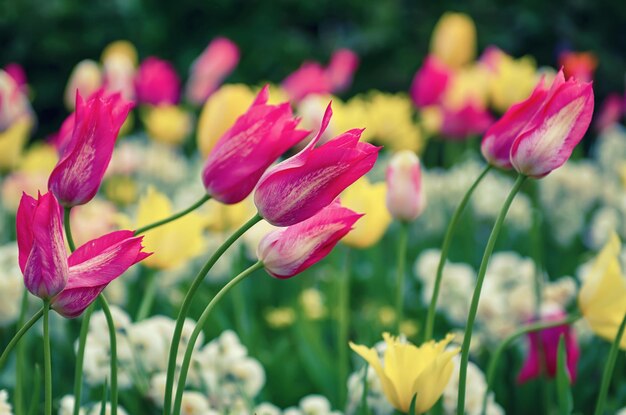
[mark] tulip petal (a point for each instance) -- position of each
(371, 357)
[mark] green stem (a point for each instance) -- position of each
(175, 216)
(19, 364)
(35, 402)
(47, 373)
(495, 359)
(15, 340)
(147, 299)
(608, 369)
(445, 247)
(198, 329)
(68, 228)
(343, 325)
(184, 308)
(402, 245)
(80, 358)
(113, 340)
(460, 409)
(364, 408)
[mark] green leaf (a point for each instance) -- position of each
(564, 394)
(412, 406)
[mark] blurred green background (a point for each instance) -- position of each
(49, 37)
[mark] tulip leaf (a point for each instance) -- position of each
(564, 394)
(412, 406)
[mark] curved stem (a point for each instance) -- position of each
(495, 359)
(460, 409)
(19, 364)
(184, 308)
(68, 228)
(15, 340)
(447, 241)
(198, 329)
(175, 216)
(343, 326)
(401, 271)
(608, 369)
(47, 373)
(113, 341)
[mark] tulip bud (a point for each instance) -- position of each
(556, 128)
(302, 185)
(430, 82)
(86, 78)
(156, 82)
(454, 39)
(76, 178)
(405, 197)
(341, 68)
(310, 78)
(289, 251)
(248, 148)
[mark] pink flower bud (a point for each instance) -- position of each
(289, 251)
(462, 123)
(17, 72)
(299, 187)
(156, 82)
(341, 68)
(77, 176)
(248, 148)
(42, 255)
(430, 82)
(310, 78)
(550, 136)
(405, 197)
(217, 61)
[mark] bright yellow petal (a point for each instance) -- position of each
(371, 357)
(12, 142)
(432, 381)
(363, 197)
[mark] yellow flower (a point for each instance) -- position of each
(352, 114)
(121, 189)
(390, 121)
(40, 158)
(86, 77)
(167, 124)
(312, 303)
(408, 371)
(512, 81)
(225, 218)
(470, 84)
(220, 112)
(368, 198)
(454, 39)
(173, 244)
(602, 297)
(280, 317)
(12, 142)
(120, 48)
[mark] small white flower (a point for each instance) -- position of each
(267, 408)
(5, 406)
(194, 403)
(315, 405)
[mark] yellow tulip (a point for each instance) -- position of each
(454, 39)
(40, 158)
(220, 112)
(512, 81)
(12, 142)
(368, 198)
(173, 244)
(226, 218)
(410, 371)
(469, 84)
(120, 48)
(602, 297)
(390, 121)
(167, 124)
(352, 114)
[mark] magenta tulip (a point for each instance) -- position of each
(341, 68)
(555, 129)
(248, 148)
(430, 82)
(289, 251)
(462, 123)
(77, 176)
(299, 187)
(310, 78)
(156, 82)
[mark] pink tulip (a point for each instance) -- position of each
(462, 123)
(217, 61)
(556, 128)
(299, 187)
(610, 113)
(289, 251)
(63, 137)
(17, 72)
(76, 178)
(310, 78)
(497, 141)
(42, 255)
(248, 148)
(341, 68)
(543, 351)
(405, 197)
(430, 82)
(156, 82)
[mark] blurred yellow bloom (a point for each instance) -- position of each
(40, 158)
(352, 114)
(121, 189)
(454, 39)
(167, 124)
(225, 218)
(512, 81)
(386, 315)
(277, 94)
(220, 112)
(390, 121)
(120, 48)
(312, 303)
(12, 142)
(602, 297)
(86, 77)
(408, 371)
(368, 198)
(280, 317)
(470, 84)
(173, 244)
(432, 119)
(30, 175)
(409, 328)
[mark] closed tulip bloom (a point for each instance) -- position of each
(289, 251)
(368, 198)
(248, 148)
(341, 68)
(299, 187)
(454, 39)
(86, 78)
(310, 78)
(430, 82)
(556, 128)
(406, 199)
(156, 82)
(602, 297)
(498, 140)
(408, 371)
(42, 254)
(76, 178)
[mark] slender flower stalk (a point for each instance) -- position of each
(175, 216)
(343, 326)
(18, 336)
(608, 369)
(184, 308)
(47, 360)
(495, 359)
(80, 359)
(476, 296)
(198, 329)
(20, 357)
(401, 271)
(113, 350)
(447, 240)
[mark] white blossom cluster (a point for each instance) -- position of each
(5, 406)
(309, 405)
(11, 285)
(66, 407)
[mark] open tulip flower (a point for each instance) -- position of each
(71, 283)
